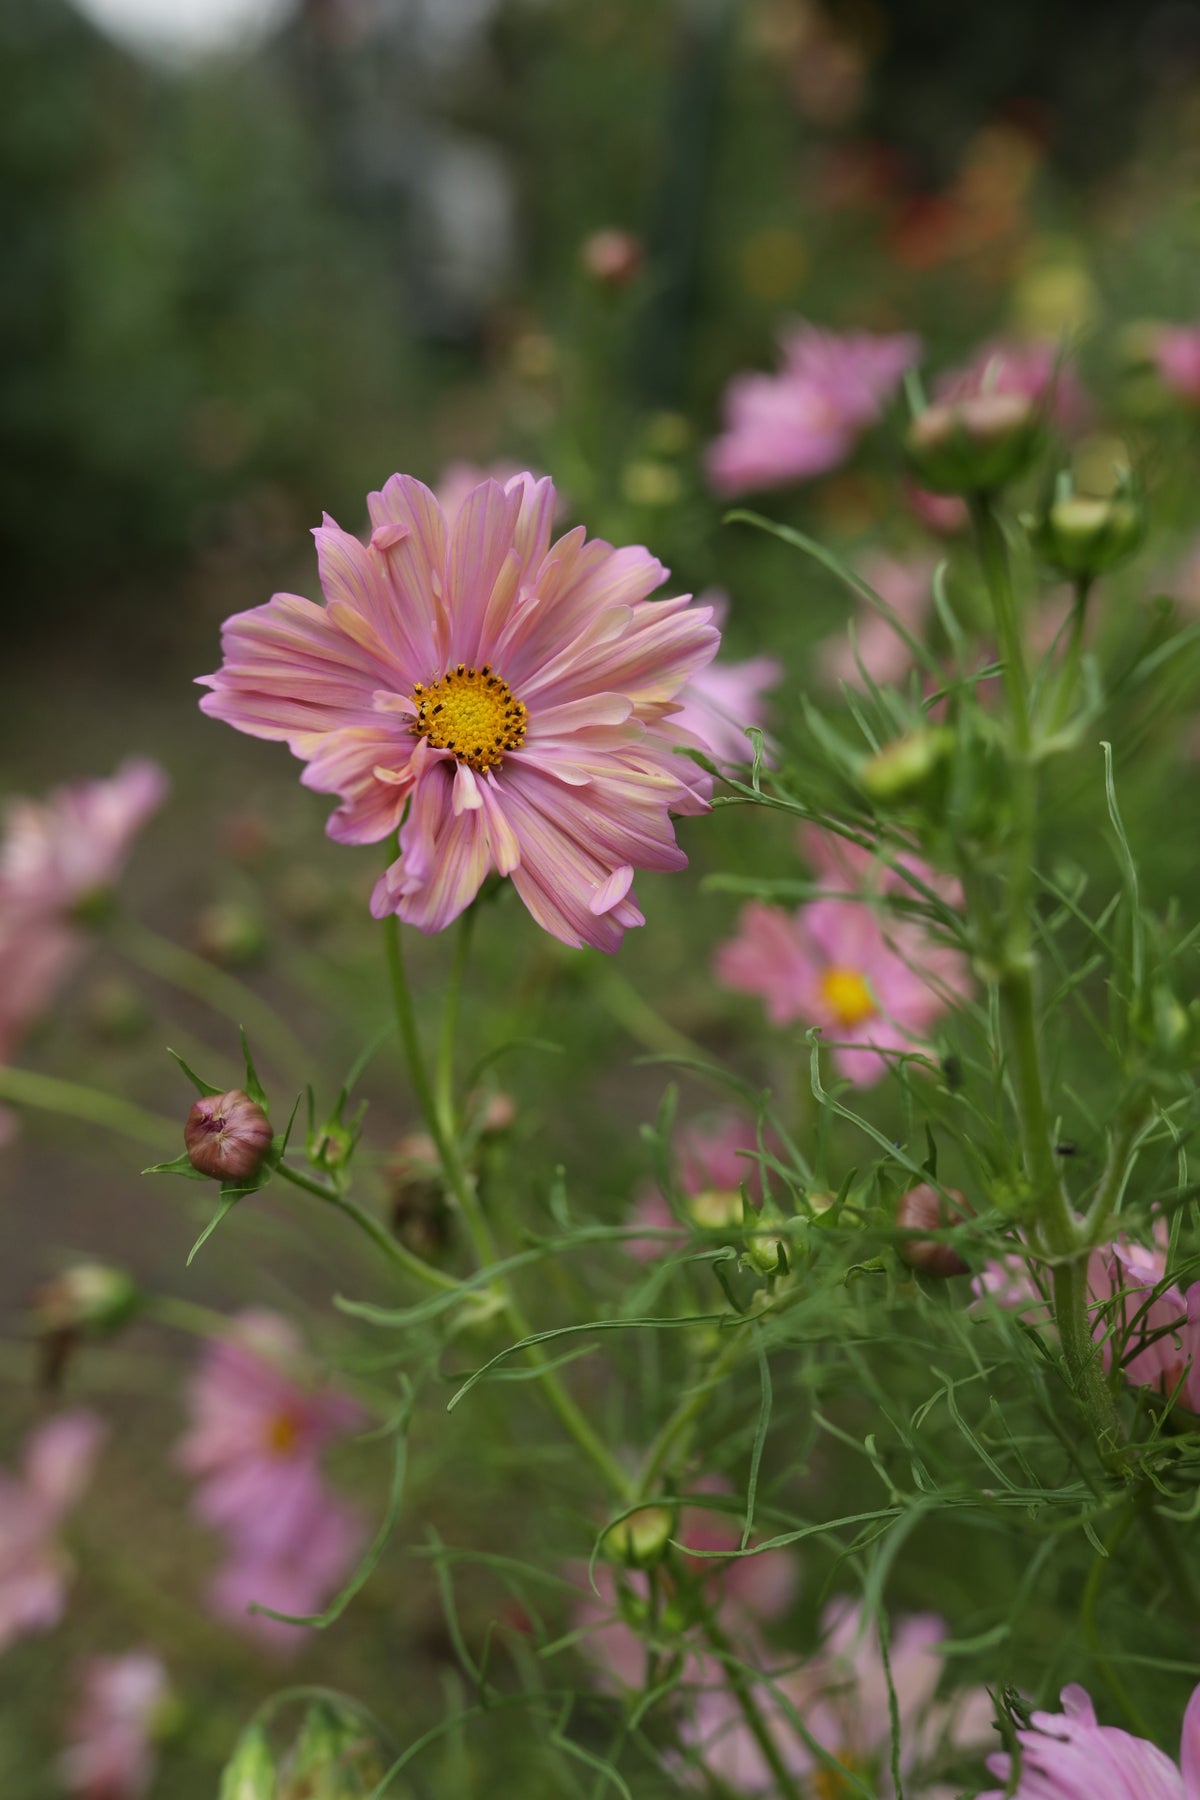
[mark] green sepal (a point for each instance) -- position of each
(178, 1165)
(202, 1087)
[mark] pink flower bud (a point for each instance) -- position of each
(227, 1136)
(922, 1209)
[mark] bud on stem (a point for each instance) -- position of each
(227, 1136)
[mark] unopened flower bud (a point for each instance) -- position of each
(88, 1300)
(974, 445)
(227, 1136)
(420, 1212)
(230, 934)
(640, 1539)
(716, 1209)
(611, 257)
(250, 1772)
(1082, 535)
(767, 1254)
(903, 767)
(923, 1209)
(87, 1297)
(335, 1758)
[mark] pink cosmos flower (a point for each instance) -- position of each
(505, 701)
(34, 1569)
(877, 647)
(712, 1162)
(806, 420)
(56, 856)
(297, 1575)
(847, 867)
(258, 1430)
(719, 702)
(111, 1754)
(1035, 370)
(1009, 1281)
(1068, 1756)
(871, 986)
(842, 1697)
(1136, 1318)
(1177, 357)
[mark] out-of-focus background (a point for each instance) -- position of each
(258, 254)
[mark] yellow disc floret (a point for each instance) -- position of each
(471, 713)
(847, 996)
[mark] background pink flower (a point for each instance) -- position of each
(58, 853)
(258, 1431)
(842, 1696)
(1036, 369)
(111, 1751)
(806, 419)
(1177, 358)
(56, 856)
(34, 1568)
(259, 1427)
(869, 986)
(877, 647)
(1068, 1756)
(507, 698)
(712, 1159)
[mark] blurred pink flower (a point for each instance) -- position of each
(1037, 370)
(1177, 357)
(806, 419)
(34, 1569)
(56, 856)
(296, 1575)
(872, 987)
(842, 1696)
(1009, 1281)
(111, 1751)
(1143, 1327)
(716, 705)
(712, 1160)
(460, 479)
(851, 868)
(503, 700)
(1068, 1756)
(877, 648)
(257, 1433)
(745, 1591)
(945, 514)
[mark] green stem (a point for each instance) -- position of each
(372, 1227)
(786, 1785)
(224, 993)
(1051, 1207)
(479, 1231)
(47, 1093)
(444, 1088)
(1068, 679)
(688, 1409)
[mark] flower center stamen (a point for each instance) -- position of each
(847, 996)
(283, 1434)
(471, 713)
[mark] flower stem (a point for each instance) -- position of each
(367, 1223)
(71, 1100)
(1014, 975)
(462, 1187)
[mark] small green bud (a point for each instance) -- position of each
(1082, 535)
(250, 1772)
(974, 445)
(902, 768)
(716, 1209)
(88, 1297)
(767, 1254)
(334, 1758)
(639, 1540)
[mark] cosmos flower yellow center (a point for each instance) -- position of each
(827, 1784)
(471, 713)
(846, 994)
(283, 1434)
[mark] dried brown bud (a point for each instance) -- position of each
(420, 1212)
(923, 1209)
(227, 1136)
